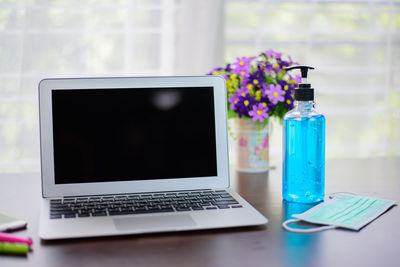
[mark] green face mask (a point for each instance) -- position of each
(343, 210)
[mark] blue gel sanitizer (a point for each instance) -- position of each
(303, 178)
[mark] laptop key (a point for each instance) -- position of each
(59, 208)
(230, 202)
(153, 208)
(99, 214)
(70, 215)
(170, 209)
(183, 209)
(55, 216)
(140, 209)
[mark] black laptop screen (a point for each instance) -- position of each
(107, 135)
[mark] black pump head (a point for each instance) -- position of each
(303, 69)
(304, 92)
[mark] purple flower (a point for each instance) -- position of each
(298, 78)
(283, 63)
(242, 66)
(257, 77)
(282, 83)
(243, 105)
(242, 91)
(271, 53)
(212, 72)
(275, 93)
(289, 103)
(288, 88)
(266, 67)
(259, 112)
(228, 68)
(233, 100)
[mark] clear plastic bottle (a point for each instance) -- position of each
(303, 179)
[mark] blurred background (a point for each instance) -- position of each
(354, 45)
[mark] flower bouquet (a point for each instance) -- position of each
(258, 88)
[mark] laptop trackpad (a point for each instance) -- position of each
(154, 222)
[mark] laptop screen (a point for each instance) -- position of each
(108, 135)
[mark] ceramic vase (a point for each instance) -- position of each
(252, 146)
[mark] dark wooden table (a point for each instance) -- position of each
(378, 244)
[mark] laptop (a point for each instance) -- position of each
(136, 155)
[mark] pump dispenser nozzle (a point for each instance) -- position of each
(304, 92)
(304, 71)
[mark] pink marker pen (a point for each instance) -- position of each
(14, 239)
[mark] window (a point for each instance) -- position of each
(40, 39)
(355, 47)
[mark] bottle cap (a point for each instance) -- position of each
(304, 92)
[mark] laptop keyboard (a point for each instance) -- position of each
(127, 204)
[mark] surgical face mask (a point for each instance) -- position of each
(343, 210)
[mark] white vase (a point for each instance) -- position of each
(252, 146)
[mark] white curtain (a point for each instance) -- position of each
(40, 39)
(354, 45)
(200, 36)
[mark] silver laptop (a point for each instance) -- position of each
(136, 155)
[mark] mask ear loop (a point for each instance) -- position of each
(310, 230)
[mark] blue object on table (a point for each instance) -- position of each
(303, 178)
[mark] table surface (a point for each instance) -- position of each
(374, 245)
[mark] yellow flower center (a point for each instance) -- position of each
(249, 86)
(275, 66)
(241, 63)
(243, 94)
(275, 94)
(233, 76)
(264, 104)
(242, 73)
(235, 101)
(259, 112)
(288, 101)
(255, 81)
(286, 87)
(246, 103)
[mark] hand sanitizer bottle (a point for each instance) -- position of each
(303, 178)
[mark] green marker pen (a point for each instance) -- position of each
(14, 248)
